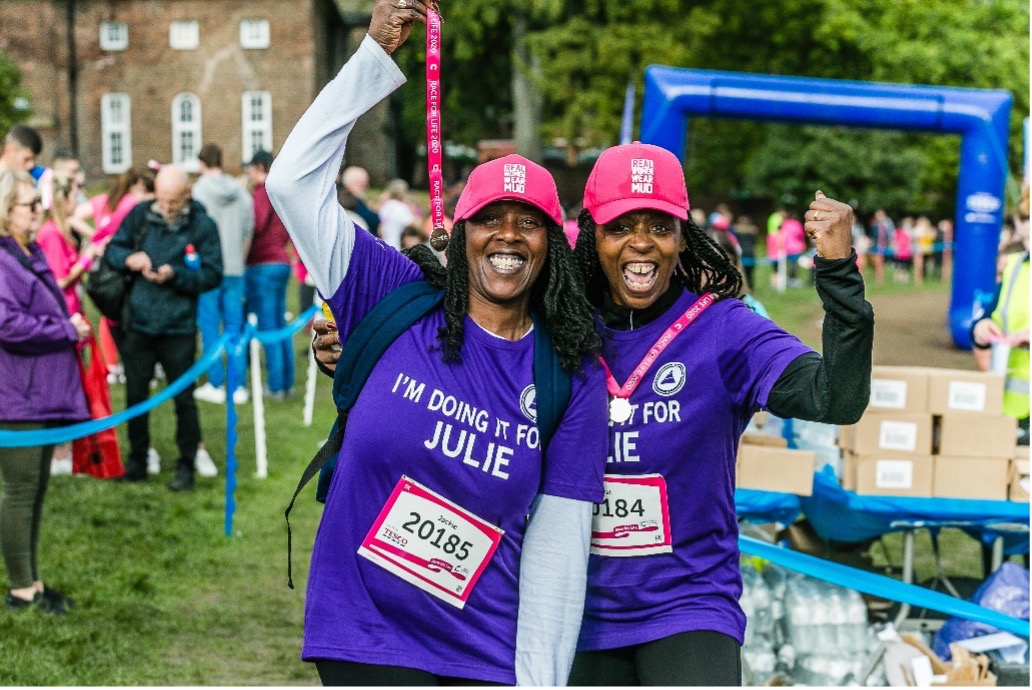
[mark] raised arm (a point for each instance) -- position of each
(833, 388)
(301, 181)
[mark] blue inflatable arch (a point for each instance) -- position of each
(980, 116)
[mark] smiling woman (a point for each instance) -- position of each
(662, 607)
(442, 534)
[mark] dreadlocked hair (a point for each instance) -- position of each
(702, 267)
(556, 297)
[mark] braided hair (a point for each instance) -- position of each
(556, 296)
(702, 267)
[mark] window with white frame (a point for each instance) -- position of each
(256, 107)
(184, 35)
(186, 131)
(115, 132)
(114, 35)
(254, 33)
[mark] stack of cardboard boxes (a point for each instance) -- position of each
(933, 432)
(765, 463)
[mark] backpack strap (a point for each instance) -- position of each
(362, 349)
(552, 383)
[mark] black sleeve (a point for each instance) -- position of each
(835, 388)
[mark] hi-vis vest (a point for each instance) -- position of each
(1012, 316)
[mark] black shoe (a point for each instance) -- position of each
(53, 596)
(183, 479)
(39, 602)
(18, 604)
(133, 473)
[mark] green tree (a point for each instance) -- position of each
(10, 93)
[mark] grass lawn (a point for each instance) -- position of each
(166, 599)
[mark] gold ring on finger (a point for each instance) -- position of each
(816, 214)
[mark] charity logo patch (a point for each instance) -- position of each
(528, 403)
(515, 175)
(669, 379)
(643, 171)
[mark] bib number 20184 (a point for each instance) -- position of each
(634, 517)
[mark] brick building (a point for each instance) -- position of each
(119, 82)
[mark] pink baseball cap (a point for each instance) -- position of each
(631, 177)
(510, 177)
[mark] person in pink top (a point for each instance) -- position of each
(59, 245)
(794, 237)
(107, 210)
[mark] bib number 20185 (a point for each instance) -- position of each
(430, 542)
(428, 531)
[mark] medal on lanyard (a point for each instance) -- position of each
(619, 396)
(434, 140)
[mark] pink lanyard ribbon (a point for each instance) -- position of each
(625, 391)
(434, 143)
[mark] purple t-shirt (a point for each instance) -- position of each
(440, 425)
(689, 411)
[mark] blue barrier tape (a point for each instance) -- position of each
(937, 248)
(21, 439)
(881, 586)
(266, 337)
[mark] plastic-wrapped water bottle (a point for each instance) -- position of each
(856, 616)
(191, 259)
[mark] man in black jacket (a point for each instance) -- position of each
(172, 248)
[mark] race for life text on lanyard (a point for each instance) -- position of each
(434, 139)
(619, 396)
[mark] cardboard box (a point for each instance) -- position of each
(977, 436)
(758, 438)
(888, 474)
(909, 662)
(899, 389)
(955, 391)
(964, 477)
(775, 469)
(1018, 489)
(847, 477)
(894, 432)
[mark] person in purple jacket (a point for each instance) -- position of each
(39, 388)
(453, 548)
(687, 366)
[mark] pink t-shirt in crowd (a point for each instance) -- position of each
(61, 256)
(107, 221)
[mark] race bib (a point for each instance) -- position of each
(430, 542)
(634, 517)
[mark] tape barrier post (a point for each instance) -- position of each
(258, 402)
(236, 343)
(313, 374)
(22, 439)
(881, 586)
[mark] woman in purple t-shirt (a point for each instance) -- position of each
(663, 581)
(453, 548)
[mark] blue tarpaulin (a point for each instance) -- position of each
(840, 515)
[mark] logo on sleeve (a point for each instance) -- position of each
(669, 379)
(528, 403)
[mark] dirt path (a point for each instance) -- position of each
(910, 329)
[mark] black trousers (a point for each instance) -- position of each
(694, 658)
(25, 473)
(176, 353)
(353, 674)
